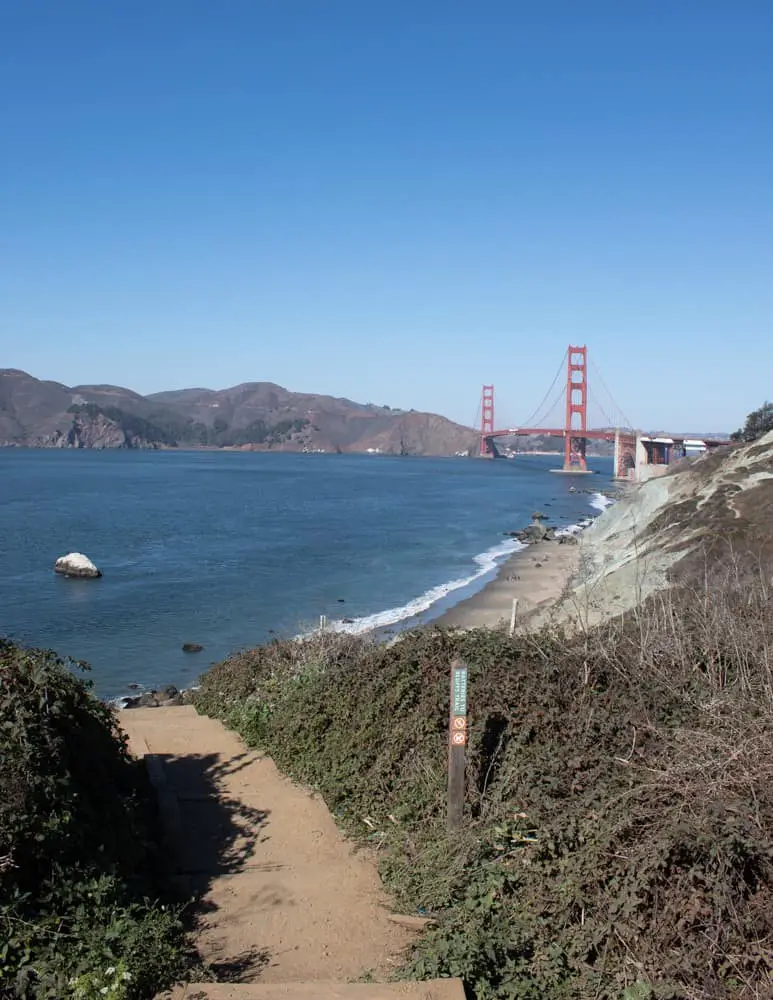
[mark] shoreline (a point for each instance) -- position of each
(536, 576)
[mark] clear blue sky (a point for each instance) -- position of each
(393, 201)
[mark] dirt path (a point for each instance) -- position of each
(285, 897)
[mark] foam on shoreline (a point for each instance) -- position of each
(601, 501)
(536, 580)
(487, 562)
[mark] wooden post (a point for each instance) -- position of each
(457, 741)
(512, 615)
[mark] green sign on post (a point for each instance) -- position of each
(459, 703)
(457, 741)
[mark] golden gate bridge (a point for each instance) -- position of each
(632, 448)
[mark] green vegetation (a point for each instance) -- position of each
(167, 429)
(258, 432)
(79, 916)
(758, 423)
(620, 802)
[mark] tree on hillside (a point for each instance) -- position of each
(758, 422)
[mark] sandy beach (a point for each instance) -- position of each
(536, 575)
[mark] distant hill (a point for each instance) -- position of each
(257, 416)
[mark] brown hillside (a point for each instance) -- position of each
(253, 415)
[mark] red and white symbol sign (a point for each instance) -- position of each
(459, 739)
(460, 722)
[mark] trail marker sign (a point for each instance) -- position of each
(458, 688)
(457, 741)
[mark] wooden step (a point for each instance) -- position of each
(435, 989)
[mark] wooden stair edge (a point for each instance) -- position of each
(433, 989)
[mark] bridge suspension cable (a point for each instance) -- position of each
(616, 405)
(530, 421)
(606, 416)
(476, 421)
(543, 416)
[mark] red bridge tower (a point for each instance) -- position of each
(486, 418)
(576, 409)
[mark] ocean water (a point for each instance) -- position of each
(229, 549)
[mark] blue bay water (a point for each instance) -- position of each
(227, 549)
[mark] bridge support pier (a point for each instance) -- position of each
(625, 455)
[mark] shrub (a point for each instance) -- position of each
(78, 877)
(757, 424)
(619, 795)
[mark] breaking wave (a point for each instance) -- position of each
(486, 562)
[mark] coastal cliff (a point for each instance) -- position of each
(709, 516)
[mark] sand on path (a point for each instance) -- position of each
(285, 898)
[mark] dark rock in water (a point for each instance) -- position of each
(77, 565)
(348, 621)
(341, 600)
(192, 647)
(133, 687)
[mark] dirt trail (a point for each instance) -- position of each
(285, 898)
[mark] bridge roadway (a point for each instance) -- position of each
(552, 432)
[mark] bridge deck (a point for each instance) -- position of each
(560, 432)
(551, 432)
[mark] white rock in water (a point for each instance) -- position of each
(76, 564)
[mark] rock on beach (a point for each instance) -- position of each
(168, 697)
(77, 565)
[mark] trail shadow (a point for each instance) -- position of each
(243, 969)
(209, 834)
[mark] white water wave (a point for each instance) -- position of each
(600, 501)
(486, 562)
